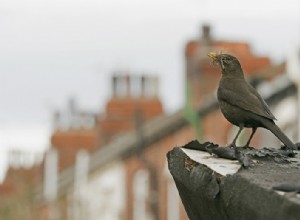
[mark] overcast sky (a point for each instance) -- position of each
(53, 50)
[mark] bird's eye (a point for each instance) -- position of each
(225, 60)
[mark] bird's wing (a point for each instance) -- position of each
(246, 98)
(264, 104)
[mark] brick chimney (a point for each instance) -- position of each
(73, 130)
(131, 93)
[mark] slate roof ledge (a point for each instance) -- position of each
(214, 188)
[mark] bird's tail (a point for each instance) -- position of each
(279, 134)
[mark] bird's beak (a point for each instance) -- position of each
(212, 55)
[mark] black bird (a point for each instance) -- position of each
(241, 104)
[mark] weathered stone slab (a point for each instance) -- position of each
(214, 188)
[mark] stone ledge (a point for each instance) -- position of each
(214, 188)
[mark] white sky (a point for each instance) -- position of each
(52, 50)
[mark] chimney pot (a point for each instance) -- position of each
(114, 85)
(206, 35)
(127, 82)
(143, 86)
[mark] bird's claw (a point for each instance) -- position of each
(232, 145)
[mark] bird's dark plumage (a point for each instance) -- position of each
(240, 103)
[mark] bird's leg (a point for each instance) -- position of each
(237, 135)
(253, 132)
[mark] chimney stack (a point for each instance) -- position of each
(141, 91)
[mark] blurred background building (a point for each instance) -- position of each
(112, 164)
